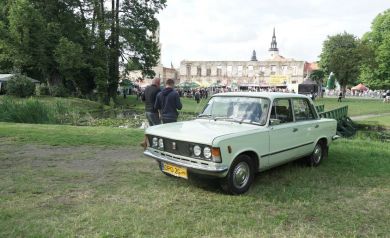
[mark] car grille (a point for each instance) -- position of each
(182, 147)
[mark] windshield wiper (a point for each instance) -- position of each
(203, 115)
(226, 119)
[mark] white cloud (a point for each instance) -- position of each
(230, 30)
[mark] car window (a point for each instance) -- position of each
(281, 110)
(240, 109)
(302, 109)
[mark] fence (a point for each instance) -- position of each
(345, 126)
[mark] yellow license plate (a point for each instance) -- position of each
(175, 170)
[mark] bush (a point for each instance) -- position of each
(43, 90)
(59, 91)
(29, 111)
(20, 86)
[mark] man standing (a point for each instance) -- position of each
(168, 102)
(149, 97)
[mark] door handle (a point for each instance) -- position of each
(316, 126)
(295, 129)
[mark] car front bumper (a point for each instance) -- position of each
(193, 165)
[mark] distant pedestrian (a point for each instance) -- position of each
(197, 96)
(168, 102)
(340, 96)
(387, 98)
(149, 97)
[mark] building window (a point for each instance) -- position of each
(239, 70)
(262, 69)
(219, 70)
(229, 70)
(188, 68)
(250, 70)
(208, 71)
(294, 70)
(198, 71)
(273, 69)
(284, 69)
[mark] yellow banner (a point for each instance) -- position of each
(277, 79)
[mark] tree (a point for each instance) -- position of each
(318, 76)
(79, 44)
(341, 55)
(375, 71)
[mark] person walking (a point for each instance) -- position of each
(168, 102)
(340, 96)
(149, 97)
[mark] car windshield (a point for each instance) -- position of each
(238, 109)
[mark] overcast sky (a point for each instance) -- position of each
(231, 29)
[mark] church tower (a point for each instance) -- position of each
(274, 51)
(254, 58)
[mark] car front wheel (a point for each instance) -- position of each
(319, 153)
(240, 175)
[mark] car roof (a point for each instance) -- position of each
(270, 95)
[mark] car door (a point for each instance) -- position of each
(283, 141)
(305, 126)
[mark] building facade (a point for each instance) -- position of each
(277, 71)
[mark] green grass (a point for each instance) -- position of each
(381, 121)
(71, 135)
(78, 104)
(356, 106)
(88, 190)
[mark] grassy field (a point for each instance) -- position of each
(382, 120)
(356, 106)
(71, 135)
(104, 191)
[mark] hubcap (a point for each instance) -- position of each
(241, 175)
(317, 154)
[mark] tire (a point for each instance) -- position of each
(320, 152)
(240, 175)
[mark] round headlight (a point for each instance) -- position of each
(154, 142)
(160, 143)
(207, 152)
(197, 150)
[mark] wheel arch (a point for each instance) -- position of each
(254, 157)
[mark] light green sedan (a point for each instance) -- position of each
(239, 134)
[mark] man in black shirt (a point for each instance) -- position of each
(149, 97)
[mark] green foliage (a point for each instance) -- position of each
(77, 43)
(375, 72)
(317, 75)
(341, 55)
(20, 86)
(58, 91)
(42, 90)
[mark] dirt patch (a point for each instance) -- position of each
(72, 157)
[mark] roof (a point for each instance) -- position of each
(6, 77)
(270, 95)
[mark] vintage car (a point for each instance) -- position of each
(239, 134)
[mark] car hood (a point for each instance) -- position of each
(200, 130)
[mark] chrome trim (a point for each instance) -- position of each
(200, 166)
(335, 137)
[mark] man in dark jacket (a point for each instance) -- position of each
(149, 97)
(168, 102)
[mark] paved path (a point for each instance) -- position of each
(362, 117)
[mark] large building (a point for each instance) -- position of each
(277, 71)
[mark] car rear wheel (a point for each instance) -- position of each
(240, 175)
(319, 153)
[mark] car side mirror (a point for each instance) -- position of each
(274, 122)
